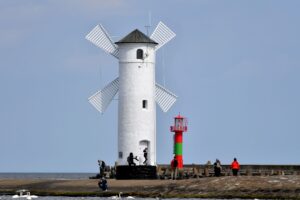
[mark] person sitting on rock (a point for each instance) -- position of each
(103, 184)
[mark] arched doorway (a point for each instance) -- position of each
(144, 145)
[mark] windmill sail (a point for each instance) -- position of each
(101, 99)
(162, 35)
(99, 37)
(164, 98)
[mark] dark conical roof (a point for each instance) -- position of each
(136, 36)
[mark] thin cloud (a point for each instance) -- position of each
(93, 7)
(278, 68)
(16, 21)
(11, 37)
(10, 14)
(93, 4)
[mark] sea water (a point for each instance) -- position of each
(46, 175)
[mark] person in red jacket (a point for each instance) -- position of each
(235, 166)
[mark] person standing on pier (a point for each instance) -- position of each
(235, 166)
(174, 165)
(145, 151)
(217, 168)
(102, 165)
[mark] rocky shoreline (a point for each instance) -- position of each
(266, 187)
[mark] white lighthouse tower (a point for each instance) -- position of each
(138, 91)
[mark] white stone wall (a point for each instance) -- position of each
(137, 83)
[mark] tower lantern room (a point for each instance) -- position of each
(180, 126)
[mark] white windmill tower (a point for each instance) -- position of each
(137, 89)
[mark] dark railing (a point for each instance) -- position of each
(178, 128)
(197, 170)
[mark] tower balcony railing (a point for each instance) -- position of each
(178, 128)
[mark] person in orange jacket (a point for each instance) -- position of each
(235, 166)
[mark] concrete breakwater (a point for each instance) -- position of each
(195, 170)
(198, 170)
(266, 187)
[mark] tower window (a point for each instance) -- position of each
(120, 154)
(139, 54)
(145, 104)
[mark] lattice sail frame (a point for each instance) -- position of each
(164, 98)
(101, 99)
(99, 37)
(162, 35)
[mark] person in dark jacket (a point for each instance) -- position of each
(145, 155)
(102, 165)
(217, 168)
(131, 158)
(174, 166)
(102, 183)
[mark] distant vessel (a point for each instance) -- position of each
(24, 194)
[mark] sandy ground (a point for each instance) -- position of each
(283, 187)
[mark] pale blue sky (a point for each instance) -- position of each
(235, 66)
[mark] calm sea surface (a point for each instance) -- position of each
(46, 175)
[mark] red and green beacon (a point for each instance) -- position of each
(180, 126)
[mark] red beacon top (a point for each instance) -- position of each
(180, 124)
